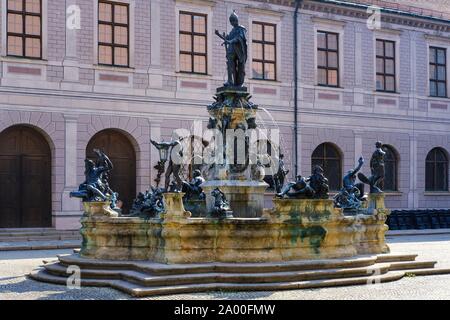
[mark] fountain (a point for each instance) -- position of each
(307, 240)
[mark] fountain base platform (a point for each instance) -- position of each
(295, 229)
(145, 278)
(299, 244)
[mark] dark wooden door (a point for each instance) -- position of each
(25, 179)
(121, 152)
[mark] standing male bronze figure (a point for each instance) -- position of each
(236, 47)
(375, 181)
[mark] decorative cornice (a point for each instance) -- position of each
(385, 17)
(326, 21)
(440, 38)
(422, 22)
(208, 3)
(265, 10)
(387, 30)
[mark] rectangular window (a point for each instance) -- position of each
(328, 59)
(113, 34)
(264, 51)
(385, 56)
(24, 28)
(438, 72)
(193, 43)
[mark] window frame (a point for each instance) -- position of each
(263, 42)
(113, 24)
(23, 13)
(327, 50)
(384, 58)
(435, 173)
(435, 80)
(192, 33)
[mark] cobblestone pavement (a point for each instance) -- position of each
(14, 265)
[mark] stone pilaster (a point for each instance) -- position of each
(154, 72)
(70, 207)
(71, 63)
(413, 195)
(358, 145)
(155, 134)
(359, 52)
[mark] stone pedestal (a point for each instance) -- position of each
(376, 202)
(174, 207)
(99, 209)
(246, 198)
(371, 226)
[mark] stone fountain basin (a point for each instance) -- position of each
(295, 229)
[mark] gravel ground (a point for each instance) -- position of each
(14, 265)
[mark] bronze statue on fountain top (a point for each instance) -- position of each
(236, 49)
(233, 94)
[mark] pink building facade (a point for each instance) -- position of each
(52, 109)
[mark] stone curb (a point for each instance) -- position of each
(396, 233)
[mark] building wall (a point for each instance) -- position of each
(69, 97)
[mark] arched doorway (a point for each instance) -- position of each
(25, 179)
(123, 156)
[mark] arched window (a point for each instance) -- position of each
(391, 169)
(436, 170)
(328, 157)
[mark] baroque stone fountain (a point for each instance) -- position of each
(306, 240)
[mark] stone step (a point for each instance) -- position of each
(36, 231)
(39, 245)
(411, 265)
(166, 269)
(428, 272)
(38, 236)
(139, 291)
(21, 230)
(146, 280)
(395, 257)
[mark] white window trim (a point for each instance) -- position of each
(44, 37)
(132, 22)
(443, 43)
(263, 16)
(391, 35)
(201, 8)
(327, 25)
